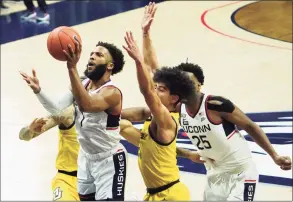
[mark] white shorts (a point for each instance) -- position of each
(225, 186)
(102, 175)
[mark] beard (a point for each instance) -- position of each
(97, 73)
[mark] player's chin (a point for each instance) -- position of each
(90, 68)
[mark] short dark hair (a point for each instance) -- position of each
(176, 81)
(117, 56)
(194, 69)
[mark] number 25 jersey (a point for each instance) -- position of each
(219, 141)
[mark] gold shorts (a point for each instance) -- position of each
(178, 192)
(64, 188)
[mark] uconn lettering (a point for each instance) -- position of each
(197, 129)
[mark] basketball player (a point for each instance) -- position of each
(211, 124)
(64, 184)
(157, 145)
(98, 102)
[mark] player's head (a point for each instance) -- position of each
(173, 86)
(107, 59)
(195, 73)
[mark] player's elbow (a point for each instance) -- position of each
(124, 124)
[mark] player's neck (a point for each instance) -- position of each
(171, 108)
(193, 103)
(97, 84)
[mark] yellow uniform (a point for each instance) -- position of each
(64, 185)
(158, 166)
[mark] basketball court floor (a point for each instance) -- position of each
(254, 71)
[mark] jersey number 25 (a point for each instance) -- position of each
(202, 143)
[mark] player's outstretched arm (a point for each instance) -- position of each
(51, 104)
(136, 114)
(40, 125)
(149, 53)
(234, 115)
(192, 155)
(129, 132)
(159, 111)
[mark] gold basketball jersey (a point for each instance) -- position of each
(68, 150)
(157, 162)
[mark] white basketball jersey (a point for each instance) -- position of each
(97, 131)
(219, 141)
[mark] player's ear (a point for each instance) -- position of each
(175, 98)
(110, 66)
(198, 87)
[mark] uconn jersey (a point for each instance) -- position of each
(102, 160)
(98, 131)
(219, 141)
(233, 175)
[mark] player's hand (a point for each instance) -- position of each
(195, 157)
(284, 162)
(149, 13)
(32, 81)
(132, 48)
(37, 125)
(73, 56)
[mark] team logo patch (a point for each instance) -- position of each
(57, 194)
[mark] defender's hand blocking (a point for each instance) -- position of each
(284, 162)
(37, 125)
(148, 17)
(33, 130)
(32, 81)
(132, 48)
(73, 56)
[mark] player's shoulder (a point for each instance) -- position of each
(110, 90)
(216, 99)
(219, 103)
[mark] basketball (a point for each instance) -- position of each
(59, 39)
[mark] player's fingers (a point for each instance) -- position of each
(23, 74)
(127, 49)
(148, 7)
(27, 80)
(77, 44)
(34, 121)
(67, 55)
(201, 161)
(40, 121)
(34, 73)
(131, 37)
(127, 40)
(154, 12)
(128, 36)
(145, 9)
(151, 7)
(70, 50)
(286, 167)
(287, 161)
